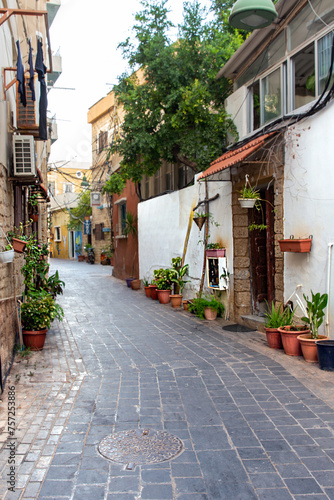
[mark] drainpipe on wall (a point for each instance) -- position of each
(329, 268)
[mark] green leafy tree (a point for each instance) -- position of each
(82, 210)
(178, 114)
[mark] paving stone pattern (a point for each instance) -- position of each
(255, 423)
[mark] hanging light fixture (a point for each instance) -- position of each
(252, 14)
(84, 183)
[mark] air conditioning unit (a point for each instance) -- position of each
(95, 199)
(24, 156)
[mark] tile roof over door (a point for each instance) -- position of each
(238, 155)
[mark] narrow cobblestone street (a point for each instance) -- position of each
(254, 423)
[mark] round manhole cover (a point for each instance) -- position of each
(140, 447)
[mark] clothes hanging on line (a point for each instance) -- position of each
(20, 76)
(43, 101)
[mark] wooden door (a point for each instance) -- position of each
(262, 251)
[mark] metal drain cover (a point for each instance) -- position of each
(140, 447)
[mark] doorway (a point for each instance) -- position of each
(262, 251)
(71, 245)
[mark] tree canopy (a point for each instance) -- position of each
(82, 210)
(175, 113)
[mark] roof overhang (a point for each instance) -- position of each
(238, 155)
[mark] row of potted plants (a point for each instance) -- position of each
(38, 308)
(173, 279)
(298, 339)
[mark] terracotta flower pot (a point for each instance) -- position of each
(291, 344)
(164, 296)
(309, 346)
(81, 258)
(19, 245)
(147, 291)
(34, 217)
(210, 314)
(154, 292)
(34, 339)
(135, 284)
(274, 338)
(176, 300)
(185, 305)
(292, 245)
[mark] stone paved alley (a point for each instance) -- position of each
(254, 423)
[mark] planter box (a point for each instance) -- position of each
(220, 252)
(300, 246)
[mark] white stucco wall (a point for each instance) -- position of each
(162, 230)
(309, 205)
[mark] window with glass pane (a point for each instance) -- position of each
(308, 22)
(303, 68)
(324, 61)
(254, 115)
(123, 217)
(271, 98)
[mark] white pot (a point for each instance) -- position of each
(7, 256)
(247, 202)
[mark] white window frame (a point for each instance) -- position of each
(287, 82)
(57, 233)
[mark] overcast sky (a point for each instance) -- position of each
(87, 34)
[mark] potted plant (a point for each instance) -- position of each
(6, 254)
(315, 317)
(290, 341)
(249, 196)
(163, 280)
(106, 255)
(215, 250)
(17, 238)
(276, 317)
(33, 207)
(206, 307)
(78, 250)
(38, 311)
(200, 218)
(179, 281)
(147, 288)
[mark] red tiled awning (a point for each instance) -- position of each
(233, 157)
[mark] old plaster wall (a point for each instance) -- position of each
(163, 226)
(309, 205)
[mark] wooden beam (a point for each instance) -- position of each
(206, 201)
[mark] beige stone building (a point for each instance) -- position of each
(24, 145)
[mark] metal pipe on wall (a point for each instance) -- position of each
(329, 270)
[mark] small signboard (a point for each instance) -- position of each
(95, 199)
(87, 226)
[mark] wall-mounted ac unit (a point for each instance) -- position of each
(95, 199)
(24, 156)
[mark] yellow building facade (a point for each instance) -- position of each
(65, 185)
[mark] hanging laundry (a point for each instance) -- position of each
(20, 76)
(43, 101)
(31, 73)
